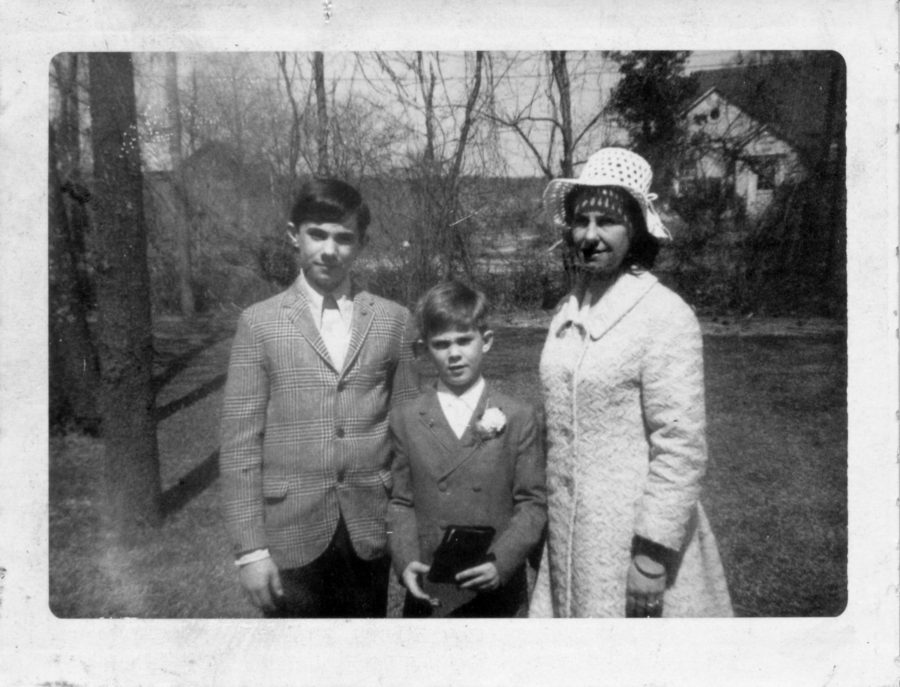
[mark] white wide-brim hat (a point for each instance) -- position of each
(609, 167)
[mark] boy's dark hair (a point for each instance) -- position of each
(451, 305)
(326, 199)
(643, 248)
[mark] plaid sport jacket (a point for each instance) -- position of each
(303, 442)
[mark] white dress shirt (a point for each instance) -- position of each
(334, 325)
(459, 409)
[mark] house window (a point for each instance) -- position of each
(766, 169)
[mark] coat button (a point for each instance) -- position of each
(339, 432)
(442, 486)
(341, 386)
(340, 476)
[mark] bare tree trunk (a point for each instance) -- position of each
(427, 88)
(296, 117)
(74, 375)
(68, 138)
(433, 219)
(461, 240)
(567, 167)
(131, 465)
(173, 103)
(183, 219)
(834, 167)
(322, 166)
(561, 79)
(192, 114)
(66, 153)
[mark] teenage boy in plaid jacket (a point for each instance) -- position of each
(305, 454)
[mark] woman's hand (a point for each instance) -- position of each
(482, 577)
(644, 588)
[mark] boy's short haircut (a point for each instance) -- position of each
(451, 305)
(326, 199)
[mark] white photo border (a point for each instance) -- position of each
(859, 647)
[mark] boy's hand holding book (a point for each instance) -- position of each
(482, 577)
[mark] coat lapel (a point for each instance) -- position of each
(301, 315)
(432, 419)
(469, 443)
(622, 296)
(363, 316)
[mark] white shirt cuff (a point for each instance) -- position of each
(252, 557)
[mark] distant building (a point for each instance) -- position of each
(755, 127)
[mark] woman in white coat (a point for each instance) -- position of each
(622, 377)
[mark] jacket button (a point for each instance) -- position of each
(339, 432)
(442, 486)
(341, 386)
(340, 475)
(476, 487)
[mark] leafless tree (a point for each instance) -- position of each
(74, 371)
(322, 166)
(544, 117)
(442, 114)
(183, 222)
(131, 465)
(290, 76)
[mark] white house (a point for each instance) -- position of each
(728, 144)
(752, 128)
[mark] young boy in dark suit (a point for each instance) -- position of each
(464, 455)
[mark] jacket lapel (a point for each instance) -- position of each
(363, 316)
(301, 315)
(469, 443)
(435, 425)
(622, 296)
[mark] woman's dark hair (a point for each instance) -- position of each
(326, 199)
(451, 305)
(643, 248)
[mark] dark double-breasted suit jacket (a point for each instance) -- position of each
(303, 442)
(441, 480)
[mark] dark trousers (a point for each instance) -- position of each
(338, 584)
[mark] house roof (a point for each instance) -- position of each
(744, 136)
(790, 94)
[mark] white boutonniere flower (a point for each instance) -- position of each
(491, 424)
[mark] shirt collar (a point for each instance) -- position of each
(572, 313)
(341, 295)
(596, 318)
(469, 398)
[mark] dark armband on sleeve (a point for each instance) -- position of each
(656, 552)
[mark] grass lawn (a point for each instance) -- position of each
(775, 493)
